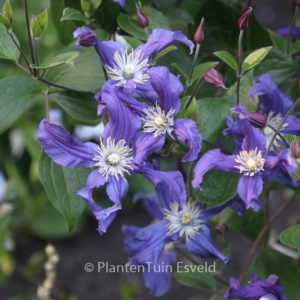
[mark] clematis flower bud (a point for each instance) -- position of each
(221, 229)
(245, 19)
(297, 2)
(85, 39)
(199, 35)
(257, 119)
(142, 20)
(215, 78)
(295, 148)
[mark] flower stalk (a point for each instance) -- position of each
(289, 42)
(239, 73)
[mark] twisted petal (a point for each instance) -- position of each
(201, 245)
(186, 132)
(249, 188)
(145, 144)
(160, 39)
(273, 100)
(213, 159)
(145, 90)
(63, 148)
(234, 129)
(293, 126)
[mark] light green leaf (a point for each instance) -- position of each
(66, 58)
(81, 106)
(255, 58)
(8, 49)
(196, 278)
(17, 94)
(35, 27)
(43, 20)
(86, 76)
(164, 52)
(73, 14)
(7, 11)
(291, 237)
(61, 185)
(5, 22)
(90, 6)
(278, 41)
(201, 69)
(181, 70)
(227, 58)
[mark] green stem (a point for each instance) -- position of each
(280, 135)
(47, 107)
(35, 41)
(195, 91)
(195, 61)
(239, 74)
(291, 30)
(51, 83)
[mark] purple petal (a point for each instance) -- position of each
(145, 90)
(293, 126)
(121, 2)
(117, 189)
(213, 159)
(160, 39)
(286, 31)
(234, 129)
(145, 144)
(249, 188)
(186, 131)
(63, 148)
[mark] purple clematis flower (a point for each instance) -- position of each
(249, 161)
(121, 2)
(284, 31)
(257, 289)
(129, 70)
(113, 159)
(153, 245)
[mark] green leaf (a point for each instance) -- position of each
(81, 106)
(61, 185)
(8, 49)
(227, 58)
(279, 65)
(164, 52)
(86, 76)
(90, 6)
(73, 14)
(278, 41)
(5, 22)
(155, 17)
(17, 94)
(255, 58)
(66, 58)
(133, 42)
(178, 15)
(295, 47)
(35, 27)
(7, 10)
(181, 70)
(201, 69)
(192, 112)
(291, 237)
(211, 120)
(43, 20)
(197, 278)
(247, 82)
(218, 187)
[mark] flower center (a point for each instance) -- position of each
(187, 221)
(129, 66)
(113, 159)
(268, 297)
(157, 121)
(250, 162)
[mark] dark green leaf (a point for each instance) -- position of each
(164, 52)
(133, 42)
(192, 112)
(8, 49)
(90, 6)
(295, 47)
(70, 13)
(254, 58)
(278, 41)
(196, 278)
(17, 94)
(81, 106)
(201, 69)
(181, 70)
(211, 120)
(61, 185)
(227, 58)
(66, 58)
(178, 15)
(291, 237)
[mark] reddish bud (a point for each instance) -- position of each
(297, 2)
(221, 229)
(142, 20)
(199, 35)
(257, 119)
(295, 148)
(245, 19)
(215, 78)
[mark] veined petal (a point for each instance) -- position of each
(160, 39)
(117, 189)
(145, 91)
(293, 126)
(63, 148)
(186, 132)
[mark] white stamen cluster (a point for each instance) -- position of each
(113, 159)
(274, 121)
(250, 162)
(157, 121)
(187, 221)
(269, 297)
(129, 66)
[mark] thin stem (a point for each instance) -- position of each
(21, 67)
(195, 60)
(47, 107)
(51, 83)
(262, 233)
(291, 30)
(20, 50)
(146, 32)
(280, 125)
(35, 44)
(280, 135)
(29, 37)
(195, 91)
(239, 74)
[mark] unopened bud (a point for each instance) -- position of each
(50, 250)
(297, 2)
(245, 19)
(199, 35)
(6, 16)
(215, 78)
(142, 20)
(257, 119)
(85, 37)
(221, 229)
(295, 148)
